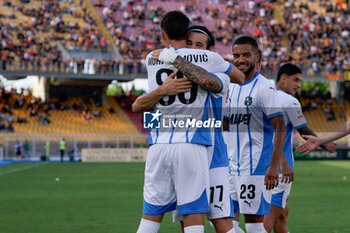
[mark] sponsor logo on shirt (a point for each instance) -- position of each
(300, 115)
(240, 118)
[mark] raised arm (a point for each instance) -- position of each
(194, 73)
(236, 76)
(198, 75)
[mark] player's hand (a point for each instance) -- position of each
(287, 172)
(168, 56)
(271, 177)
(155, 53)
(172, 86)
(331, 147)
(311, 144)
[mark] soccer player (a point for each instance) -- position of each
(255, 116)
(220, 209)
(199, 37)
(288, 82)
(177, 171)
(233, 193)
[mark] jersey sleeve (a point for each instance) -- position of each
(270, 102)
(295, 114)
(151, 75)
(225, 82)
(220, 65)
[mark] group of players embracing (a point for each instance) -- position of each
(245, 165)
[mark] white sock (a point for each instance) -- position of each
(231, 231)
(147, 226)
(194, 229)
(255, 227)
(236, 226)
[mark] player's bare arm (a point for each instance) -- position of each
(330, 147)
(271, 177)
(194, 73)
(171, 86)
(236, 76)
(198, 75)
(313, 142)
(286, 169)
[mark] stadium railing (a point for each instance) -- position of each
(74, 144)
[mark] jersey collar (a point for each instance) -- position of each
(175, 49)
(250, 80)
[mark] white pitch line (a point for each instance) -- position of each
(22, 168)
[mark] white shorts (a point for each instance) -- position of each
(280, 194)
(253, 198)
(233, 193)
(176, 175)
(220, 204)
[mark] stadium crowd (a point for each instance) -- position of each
(17, 107)
(317, 40)
(29, 37)
(20, 107)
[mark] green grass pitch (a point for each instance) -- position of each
(107, 197)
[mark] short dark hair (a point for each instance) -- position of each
(288, 69)
(260, 56)
(247, 40)
(204, 30)
(175, 24)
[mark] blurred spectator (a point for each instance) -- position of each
(2, 125)
(87, 115)
(44, 119)
(62, 148)
(26, 150)
(18, 149)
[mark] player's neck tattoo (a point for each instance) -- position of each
(198, 75)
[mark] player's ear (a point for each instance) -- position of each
(212, 48)
(284, 77)
(164, 38)
(258, 56)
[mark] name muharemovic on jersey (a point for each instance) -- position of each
(155, 120)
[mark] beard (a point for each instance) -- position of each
(251, 67)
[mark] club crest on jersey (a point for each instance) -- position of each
(248, 101)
